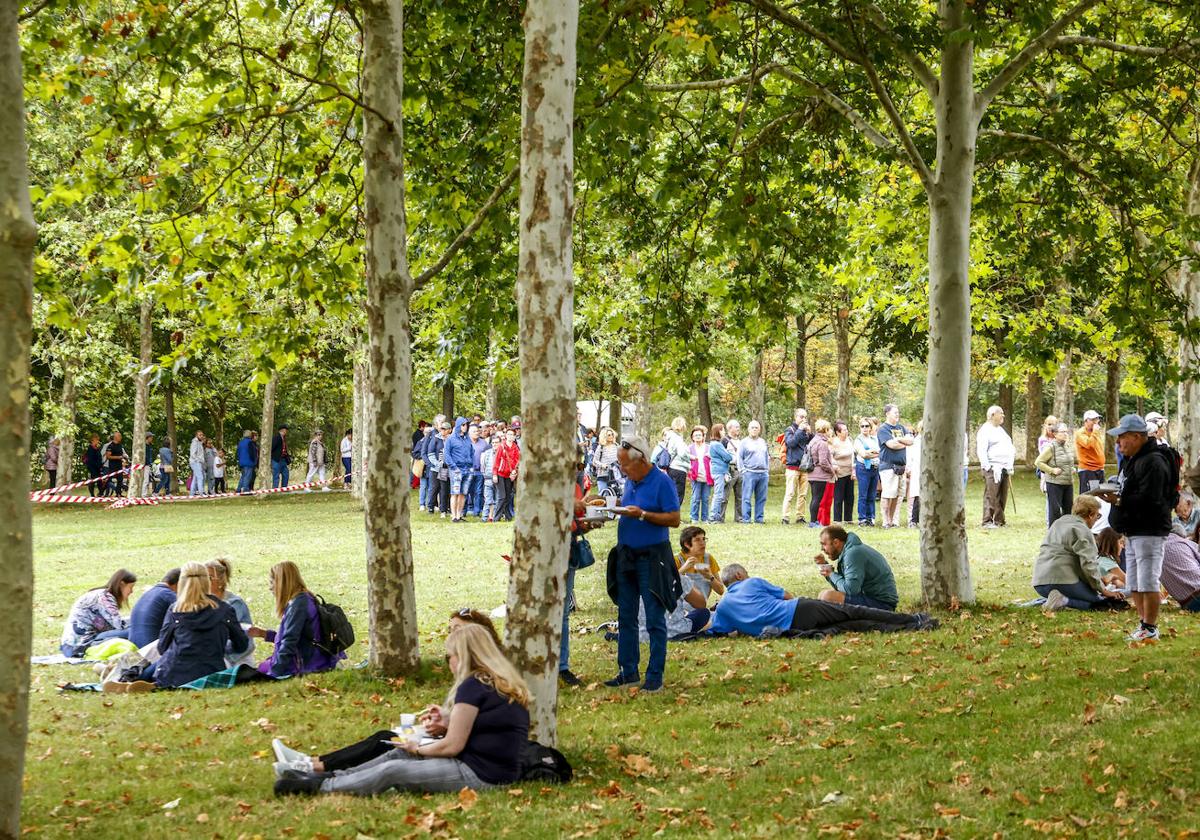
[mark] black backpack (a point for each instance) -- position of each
(337, 635)
(1174, 462)
(545, 765)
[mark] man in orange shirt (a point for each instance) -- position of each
(1089, 451)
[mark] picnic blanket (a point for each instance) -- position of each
(59, 659)
(229, 678)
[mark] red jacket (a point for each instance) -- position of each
(508, 455)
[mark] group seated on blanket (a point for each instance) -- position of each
(1066, 572)
(96, 615)
(480, 734)
(755, 607)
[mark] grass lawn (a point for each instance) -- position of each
(1003, 721)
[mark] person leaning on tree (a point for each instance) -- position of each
(996, 459)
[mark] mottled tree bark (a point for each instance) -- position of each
(448, 399)
(69, 400)
(1033, 416)
(266, 432)
(841, 335)
(1063, 398)
(1004, 399)
(172, 431)
(758, 392)
(615, 407)
(545, 306)
(357, 482)
(391, 595)
(18, 235)
(1187, 285)
(945, 568)
(141, 398)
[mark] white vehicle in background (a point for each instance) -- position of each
(594, 415)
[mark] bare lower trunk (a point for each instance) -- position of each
(493, 388)
(645, 405)
(802, 322)
(172, 431)
(758, 389)
(356, 456)
(704, 405)
(448, 399)
(1063, 398)
(391, 595)
(266, 433)
(945, 569)
(545, 303)
(1112, 390)
(841, 334)
(1187, 285)
(1033, 416)
(616, 407)
(141, 399)
(1004, 398)
(69, 402)
(18, 235)
(220, 413)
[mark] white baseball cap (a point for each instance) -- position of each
(1091, 415)
(1155, 417)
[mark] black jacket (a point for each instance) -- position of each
(1145, 508)
(277, 449)
(796, 440)
(92, 459)
(664, 577)
(193, 644)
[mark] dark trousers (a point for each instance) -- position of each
(1059, 498)
(439, 494)
(734, 490)
(368, 748)
(346, 468)
(504, 498)
(817, 489)
(1086, 476)
(95, 488)
(812, 614)
(680, 479)
(633, 586)
(53, 478)
(843, 499)
(219, 485)
(995, 497)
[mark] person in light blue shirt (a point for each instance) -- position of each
(753, 460)
(866, 470)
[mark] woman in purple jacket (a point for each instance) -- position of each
(296, 641)
(821, 477)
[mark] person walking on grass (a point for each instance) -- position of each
(1141, 510)
(196, 463)
(996, 458)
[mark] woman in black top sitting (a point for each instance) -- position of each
(486, 723)
(195, 632)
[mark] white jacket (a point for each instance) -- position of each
(995, 449)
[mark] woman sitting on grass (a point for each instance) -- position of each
(1066, 573)
(296, 648)
(196, 631)
(486, 733)
(1109, 547)
(96, 615)
(220, 570)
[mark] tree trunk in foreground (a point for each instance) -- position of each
(172, 432)
(391, 596)
(1187, 414)
(141, 399)
(1062, 391)
(18, 235)
(616, 408)
(545, 306)
(1033, 416)
(1004, 399)
(266, 432)
(448, 399)
(945, 569)
(69, 401)
(758, 393)
(357, 424)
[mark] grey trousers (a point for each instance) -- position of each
(400, 770)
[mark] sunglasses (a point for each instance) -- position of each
(465, 612)
(627, 445)
(865, 426)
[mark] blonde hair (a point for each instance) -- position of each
(288, 584)
(479, 657)
(1049, 423)
(193, 589)
(678, 425)
(822, 427)
(1085, 506)
(223, 566)
(605, 431)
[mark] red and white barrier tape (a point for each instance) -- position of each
(73, 500)
(41, 495)
(154, 500)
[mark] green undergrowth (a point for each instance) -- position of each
(1001, 721)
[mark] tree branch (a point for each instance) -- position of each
(1017, 64)
(788, 19)
(465, 235)
(1185, 48)
(844, 108)
(717, 84)
(921, 70)
(24, 16)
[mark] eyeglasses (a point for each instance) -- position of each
(627, 445)
(465, 612)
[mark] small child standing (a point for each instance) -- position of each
(487, 461)
(696, 563)
(219, 472)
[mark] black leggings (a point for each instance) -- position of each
(843, 500)
(1059, 498)
(504, 498)
(95, 488)
(817, 493)
(812, 614)
(370, 747)
(680, 479)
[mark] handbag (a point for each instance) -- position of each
(418, 468)
(581, 554)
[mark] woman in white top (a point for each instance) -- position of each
(604, 461)
(347, 451)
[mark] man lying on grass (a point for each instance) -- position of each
(756, 607)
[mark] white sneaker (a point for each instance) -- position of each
(307, 489)
(291, 769)
(325, 490)
(1055, 601)
(292, 758)
(1143, 635)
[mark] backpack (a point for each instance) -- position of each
(1174, 460)
(545, 765)
(337, 635)
(664, 457)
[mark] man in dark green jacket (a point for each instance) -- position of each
(862, 575)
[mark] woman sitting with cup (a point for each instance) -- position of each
(486, 729)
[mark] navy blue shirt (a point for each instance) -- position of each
(499, 735)
(146, 619)
(655, 494)
(889, 457)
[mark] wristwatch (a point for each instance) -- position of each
(642, 515)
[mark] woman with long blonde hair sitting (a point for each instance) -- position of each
(296, 641)
(195, 632)
(486, 733)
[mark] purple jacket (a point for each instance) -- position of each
(822, 469)
(296, 650)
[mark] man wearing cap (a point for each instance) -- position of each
(641, 567)
(1142, 512)
(1158, 425)
(1089, 451)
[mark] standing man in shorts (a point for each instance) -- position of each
(894, 440)
(1142, 512)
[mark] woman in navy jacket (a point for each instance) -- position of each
(195, 632)
(296, 650)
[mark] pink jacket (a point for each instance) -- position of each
(694, 469)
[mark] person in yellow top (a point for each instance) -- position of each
(1089, 451)
(695, 562)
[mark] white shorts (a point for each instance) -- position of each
(889, 481)
(1143, 563)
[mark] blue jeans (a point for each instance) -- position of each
(279, 473)
(246, 480)
(700, 493)
(1080, 596)
(633, 585)
(346, 466)
(423, 493)
(564, 646)
(489, 500)
(474, 494)
(868, 483)
(164, 482)
(754, 486)
(716, 506)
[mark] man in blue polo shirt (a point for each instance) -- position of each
(642, 565)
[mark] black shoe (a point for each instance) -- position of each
(307, 785)
(620, 680)
(785, 521)
(570, 679)
(926, 622)
(800, 520)
(649, 687)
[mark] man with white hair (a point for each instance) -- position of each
(996, 458)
